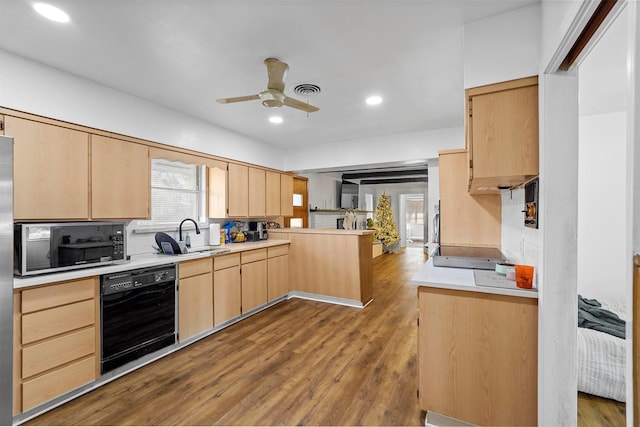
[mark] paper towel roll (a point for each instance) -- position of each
(214, 234)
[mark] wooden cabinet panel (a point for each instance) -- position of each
(54, 383)
(217, 190)
(194, 267)
(254, 285)
(277, 251)
(227, 294)
(195, 305)
(477, 356)
(58, 294)
(253, 255)
(120, 179)
(51, 171)
(58, 320)
(502, 134)
(277, 276)
(286, 195)
(465, 219)
(58, 351)
(238, 190)
(225, 261)
(257, 188)
(272, 193)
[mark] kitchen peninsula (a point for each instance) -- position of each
(477, 348)
(330, 264)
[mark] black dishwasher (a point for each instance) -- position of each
(138, 314)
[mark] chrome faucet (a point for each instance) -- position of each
(183, 221)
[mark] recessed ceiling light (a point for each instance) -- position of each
(374, 100)
(51, 12)
(275, 119)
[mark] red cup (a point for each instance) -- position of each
(524, 276)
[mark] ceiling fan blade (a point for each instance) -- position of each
(238, 99)
(290, 102)
(276, 70)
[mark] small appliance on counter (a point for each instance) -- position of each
(53, 247)
(257, 231)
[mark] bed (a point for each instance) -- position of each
(601, 360)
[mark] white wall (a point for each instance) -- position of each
(601, 206)
(502, 47)
(392, 148)
(29, 86)
(520, 244)
(322, 190)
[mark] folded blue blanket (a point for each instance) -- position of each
(591, 315)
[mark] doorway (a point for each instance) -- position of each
(412, 225)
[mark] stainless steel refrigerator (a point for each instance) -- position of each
(6, 281)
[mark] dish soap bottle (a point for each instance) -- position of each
(187, 241)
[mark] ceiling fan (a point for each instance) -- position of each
(274, 95)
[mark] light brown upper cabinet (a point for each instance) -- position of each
(272, 193)
(238, 188)
(466, 219)
(51, 171)
(120, 174)
(286, 195)
(502, 134)
(257, 187)
(217, 190)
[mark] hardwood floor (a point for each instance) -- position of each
(595, 411)
(297, 363)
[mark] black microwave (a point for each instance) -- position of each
(53, 247)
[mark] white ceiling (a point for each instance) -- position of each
(184, 54)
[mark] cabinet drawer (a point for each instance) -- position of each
(194, 267)
(277, 251)
(56, 295)
(225, 261)
(55, 321)
(58, 351)
(55, 383)
(254, 255)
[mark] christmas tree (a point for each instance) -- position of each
(386, 229)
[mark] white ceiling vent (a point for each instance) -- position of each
(306, 89)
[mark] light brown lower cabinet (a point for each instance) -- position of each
(227, 294)
(56, 340)
(254, 279)
(195, 298)
(478, 356)
(277, 272)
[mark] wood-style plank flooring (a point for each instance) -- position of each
(595, 411)
(297, 363)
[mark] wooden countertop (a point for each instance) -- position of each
(320, 231)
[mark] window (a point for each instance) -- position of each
(178, 191)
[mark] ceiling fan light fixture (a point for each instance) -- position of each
(374, 100)
(51, 12)
(271, 98)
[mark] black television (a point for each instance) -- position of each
(347, 195)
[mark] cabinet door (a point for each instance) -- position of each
(217, 191)
(278, 276)
(254, 285)
(195, 305)
(238, 190)
(257, 188)
(286, 195)
(120, 179)
(465, 219)
(227, 296)
(51, 171)
(272, 193)
(502, 134)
